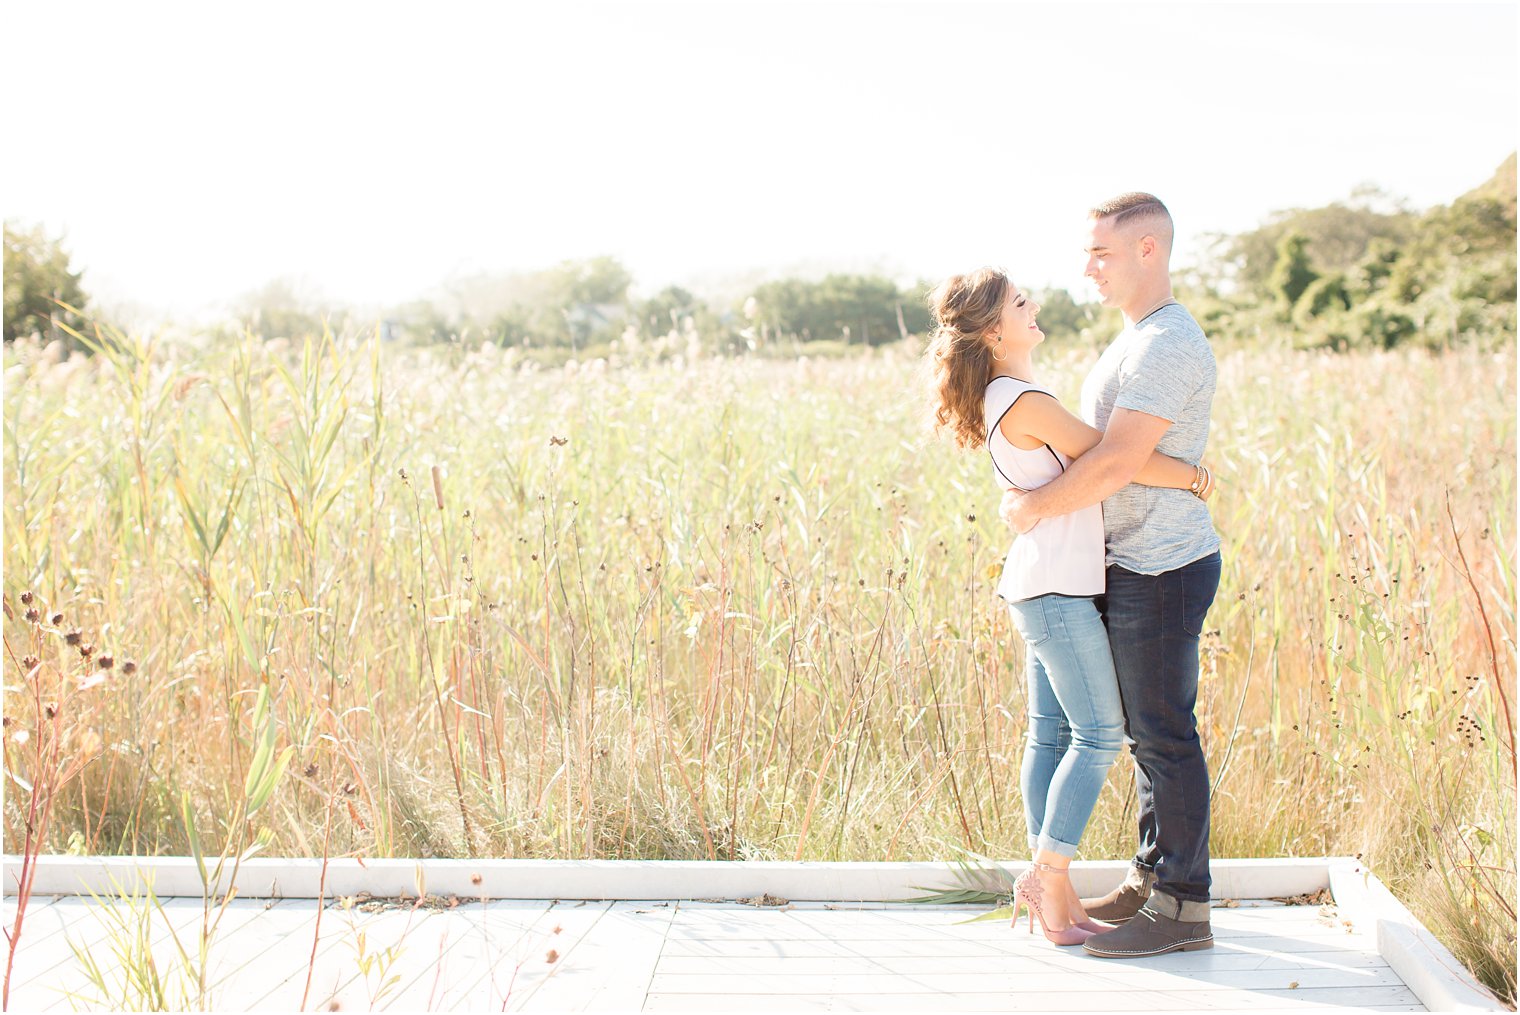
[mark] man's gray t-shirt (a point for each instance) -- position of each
(1162, 366)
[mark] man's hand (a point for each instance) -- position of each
(1016, 513)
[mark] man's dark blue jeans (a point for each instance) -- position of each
(1154, 622)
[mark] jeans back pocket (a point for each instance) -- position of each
(1029, 618)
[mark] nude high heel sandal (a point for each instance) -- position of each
(1028, 893)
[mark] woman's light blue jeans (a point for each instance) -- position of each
(1076, 721)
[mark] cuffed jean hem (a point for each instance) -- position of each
(1175, 908)
(1056, 846)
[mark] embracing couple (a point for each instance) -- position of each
(1109, 582)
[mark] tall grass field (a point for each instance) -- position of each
(338, 597)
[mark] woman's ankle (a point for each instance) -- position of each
(1049, 861)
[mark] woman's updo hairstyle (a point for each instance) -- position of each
(965, 308)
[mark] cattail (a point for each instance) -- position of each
(438, 486)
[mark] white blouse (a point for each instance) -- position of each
(1059, 555)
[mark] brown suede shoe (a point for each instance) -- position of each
(1162, 925)
(1125, 901)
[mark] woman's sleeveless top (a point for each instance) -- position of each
(1064, 554)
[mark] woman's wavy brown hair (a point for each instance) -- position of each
(964, 308)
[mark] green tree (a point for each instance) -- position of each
(1292, 273)
(856, 309)
(914, 304)
(37, 279)
(1061, 317)
(1325, 296)
(575, 304)
(287, 307)
(598, 280)
(663, 311)
(1368, 272)
(1338, 237)
(1383, 324)
(425, 321)
(1371, 274)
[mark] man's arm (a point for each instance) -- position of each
(1039, 416)
(1125, 448)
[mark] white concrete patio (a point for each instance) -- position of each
(839, 952)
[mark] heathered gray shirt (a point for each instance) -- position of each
(1162, 366)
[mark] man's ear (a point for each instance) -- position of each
(1148, 246)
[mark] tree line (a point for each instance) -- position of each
(1368, 272)
(1364, 272)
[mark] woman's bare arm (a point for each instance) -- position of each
(1037, 418)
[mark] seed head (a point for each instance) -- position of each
(26, 599)
(32, 616)
(57, 620)
(87, 650)
(105, 662)
(74, 637)
(51, 710)
(128, 668)
(29, 663)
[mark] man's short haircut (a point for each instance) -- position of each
(1141, 209)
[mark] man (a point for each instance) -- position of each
(1151, 390)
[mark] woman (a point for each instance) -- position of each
(986, 395)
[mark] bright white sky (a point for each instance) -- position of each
(189, 153)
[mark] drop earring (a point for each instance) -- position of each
(997, 348)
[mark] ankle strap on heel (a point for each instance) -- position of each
(1048, 868)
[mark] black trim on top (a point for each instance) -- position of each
(999, 422)
(1000, 472)
(1021, 394)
